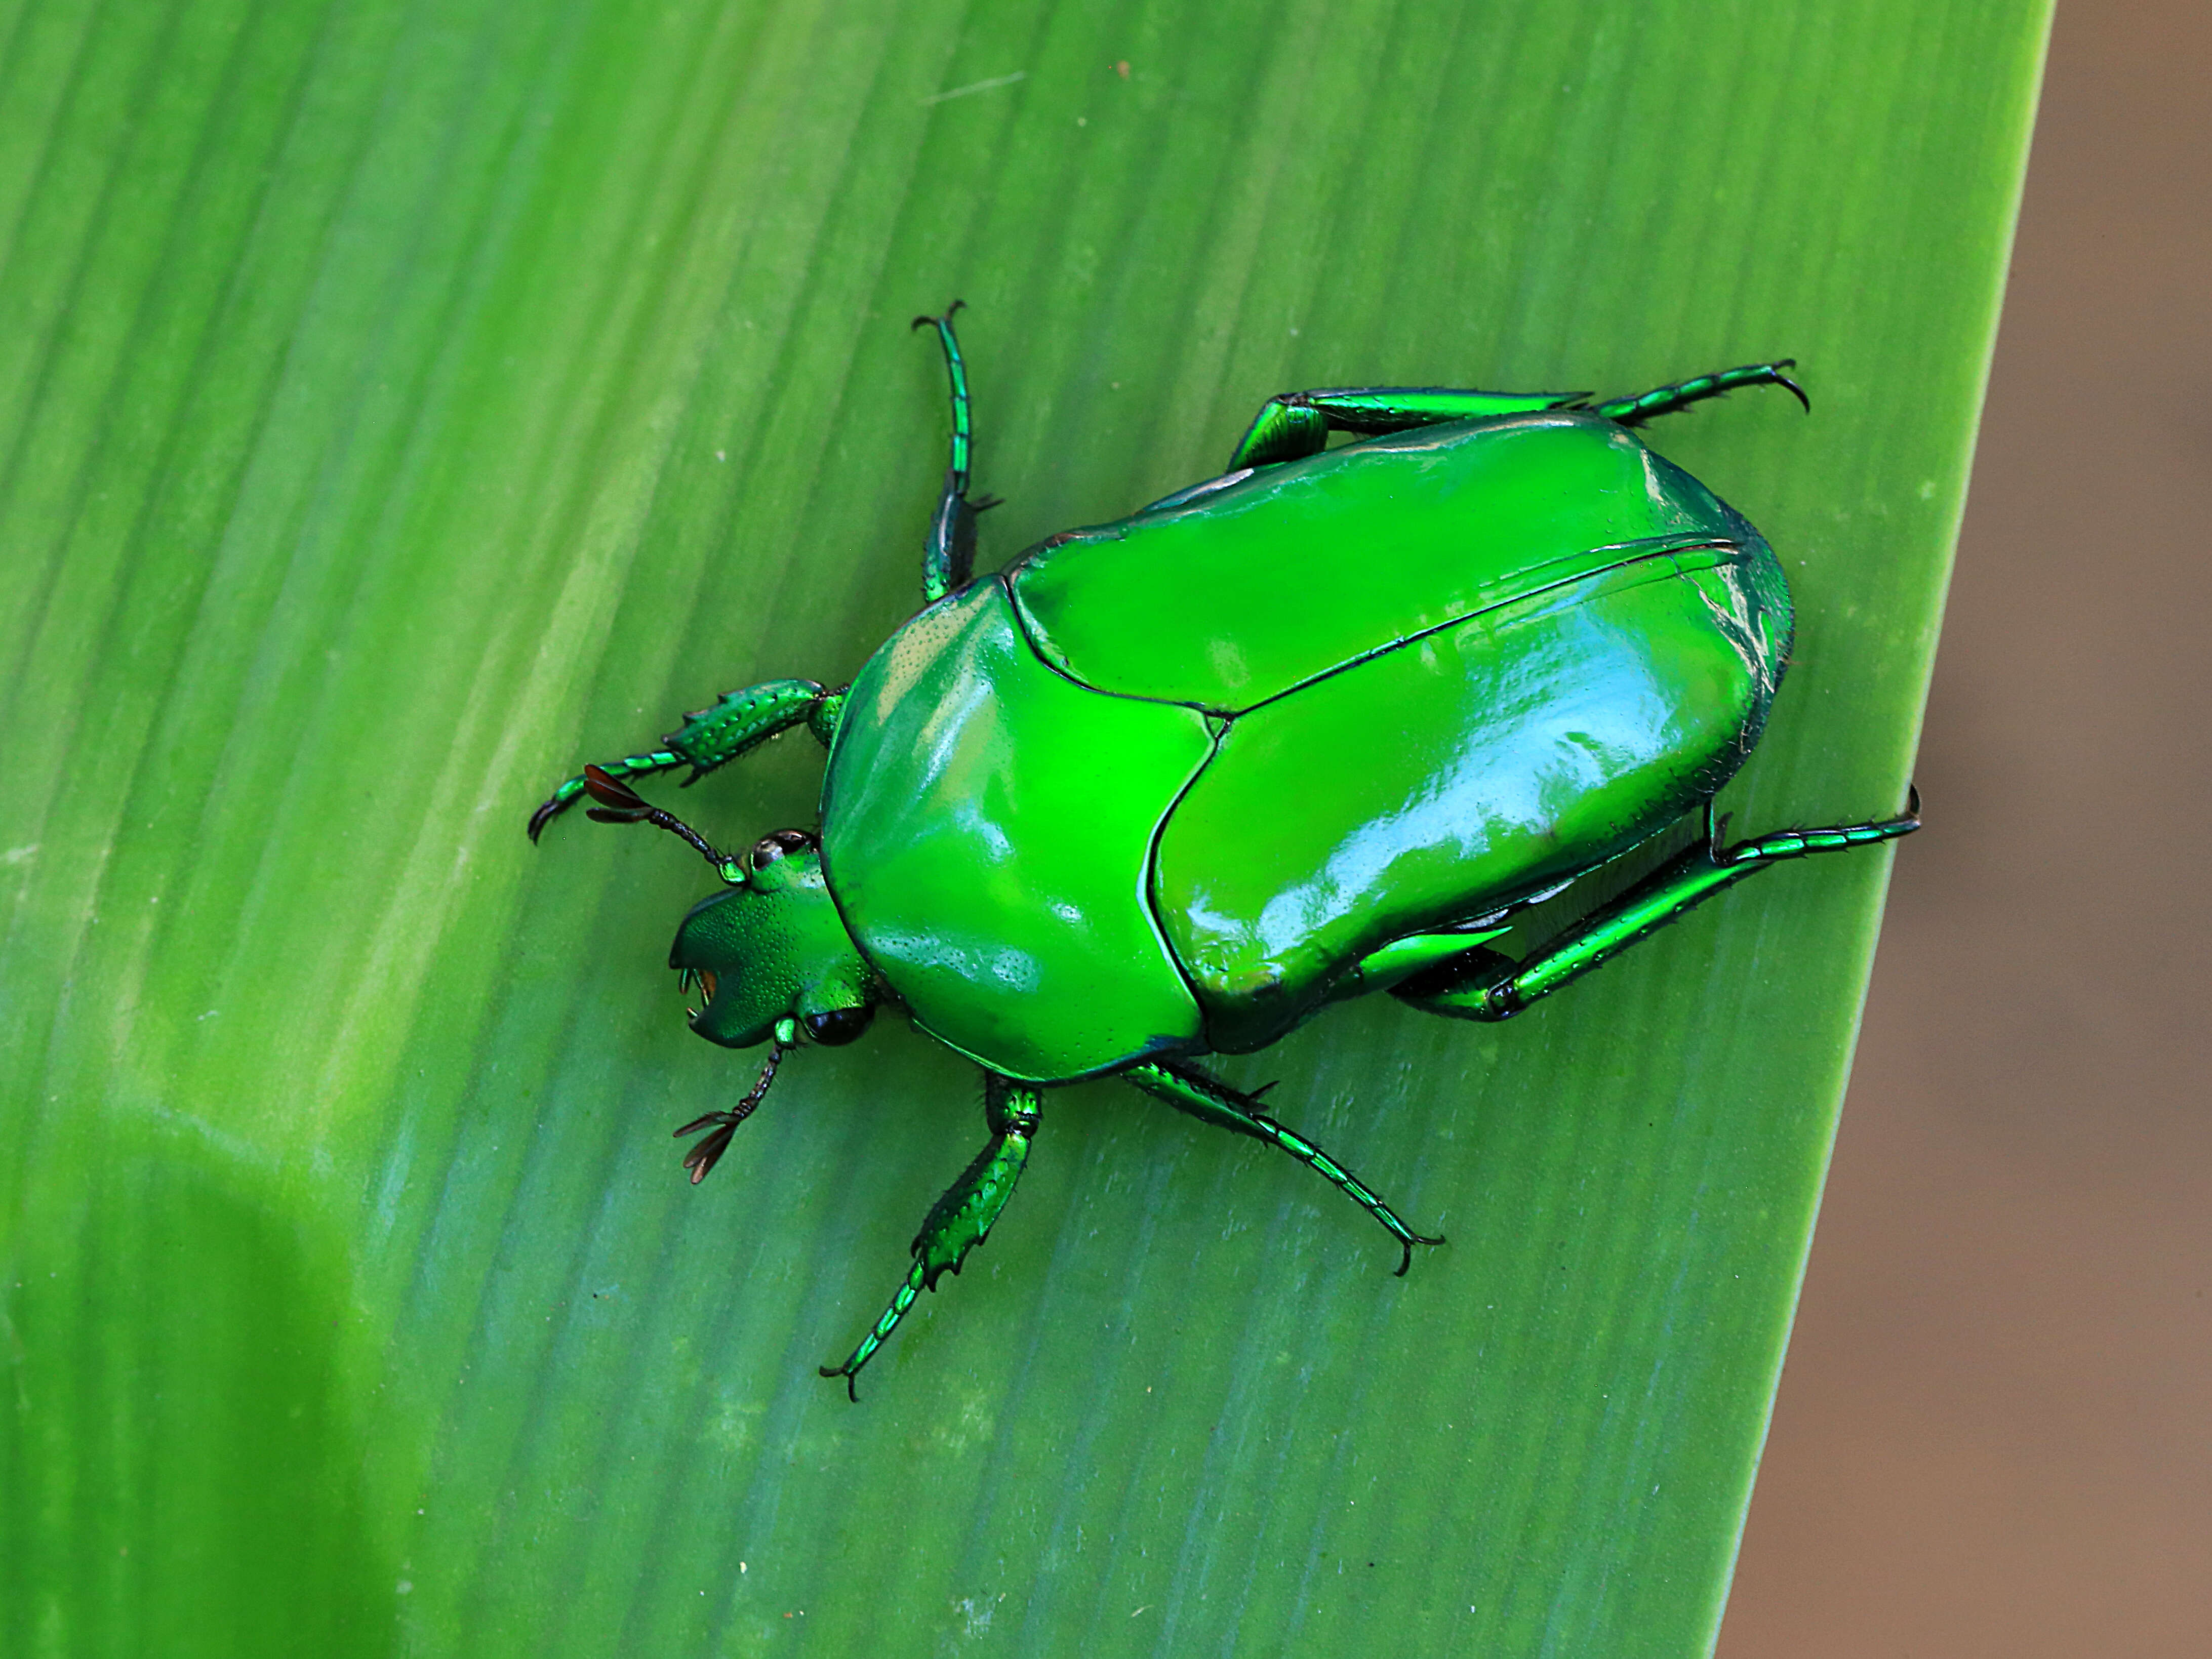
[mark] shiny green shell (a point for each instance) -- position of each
(1159, 786)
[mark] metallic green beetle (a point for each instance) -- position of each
(1319, 726)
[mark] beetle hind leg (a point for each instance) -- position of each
(1485, 985)
(1297, 423)
(1212, 1101)
(1670, 400)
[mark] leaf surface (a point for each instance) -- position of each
(400, 406)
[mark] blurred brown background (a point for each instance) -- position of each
(1993, 1437)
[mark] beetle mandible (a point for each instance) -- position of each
(1073, 829)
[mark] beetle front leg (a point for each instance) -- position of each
(961, 1219)
(1484, 985)
(1212, 1101)
(949, 559)
(736, 723)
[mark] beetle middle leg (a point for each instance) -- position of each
(961, 1219)
(1485, 985)
(1212, 1101)
(734, 724)
(1297, 423)
(949, 559)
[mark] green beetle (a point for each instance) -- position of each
(1319, 726)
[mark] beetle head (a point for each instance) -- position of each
(770, 947)
(770, 951)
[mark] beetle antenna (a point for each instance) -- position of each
(620, 803)
(709, 1152)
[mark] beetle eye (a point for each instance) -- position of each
(838, 1026)
(780, 844)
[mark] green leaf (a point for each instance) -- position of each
(401, 405)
